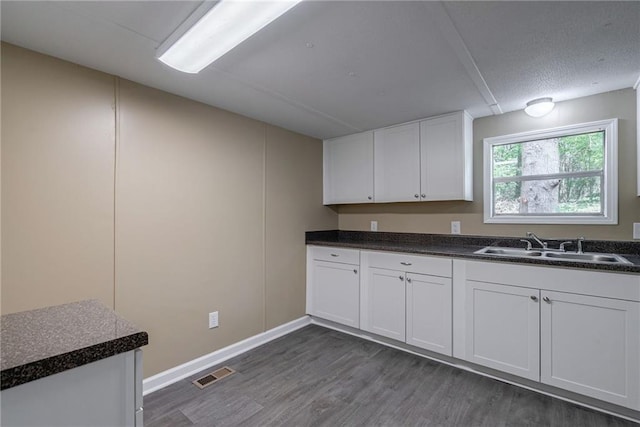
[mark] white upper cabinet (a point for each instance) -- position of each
(397, 163)
(348, 169)
(446, 157)
(423, 160)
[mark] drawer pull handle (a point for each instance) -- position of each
(355, 271)
(533, 297)
(417, 196)
(401, 278)
(408, 280)
(547, 300)
(335, 255)
(405, 263)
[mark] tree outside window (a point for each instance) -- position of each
(558, 175)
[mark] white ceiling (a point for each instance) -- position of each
(329, 68)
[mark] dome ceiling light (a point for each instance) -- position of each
(539, 107)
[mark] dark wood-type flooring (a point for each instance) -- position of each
(320, 377)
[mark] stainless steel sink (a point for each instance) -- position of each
(591, 257)
(588, 257)
(509, 252)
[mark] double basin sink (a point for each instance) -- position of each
(591, 257)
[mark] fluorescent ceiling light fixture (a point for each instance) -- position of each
(226, 25)
(539, 107)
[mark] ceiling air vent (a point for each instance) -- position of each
(213, 377)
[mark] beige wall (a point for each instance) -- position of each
(210, 207)
(290, 159)
(57, 182)
(436, 217)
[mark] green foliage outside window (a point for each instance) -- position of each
(572, 154)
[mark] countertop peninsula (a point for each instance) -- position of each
(42, 342)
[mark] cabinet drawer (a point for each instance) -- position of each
(410, 263)
(585, 282)
(346, 256)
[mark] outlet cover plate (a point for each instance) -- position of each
(636, 230)
(455, 227)
(213, 319)
(374, 225)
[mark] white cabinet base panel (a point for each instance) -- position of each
(92, 395)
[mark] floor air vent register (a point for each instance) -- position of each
(213, 377)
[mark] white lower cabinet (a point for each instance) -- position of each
(408, 298)
(539, 326)
(384, 303)
(577, 330)
(336, 292)
(429, 320)
(333, 285)
(589, 345)
(502, 328)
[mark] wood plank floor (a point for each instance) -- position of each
(320, 377)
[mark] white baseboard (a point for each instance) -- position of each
(170, 376)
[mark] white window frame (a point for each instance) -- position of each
(610, 184)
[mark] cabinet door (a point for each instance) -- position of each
(589, 345)
(336, 292)
(446, 158)
(502, 328)
(384, 303)
(429, 312)
(397, 163)
(348, 169)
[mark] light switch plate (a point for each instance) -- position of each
(374, 225)
(455, 227)
(636, 230)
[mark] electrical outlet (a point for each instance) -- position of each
(636, 230)
(213, 319)
(374, 225)
(455, 227)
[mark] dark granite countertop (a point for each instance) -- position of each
(38, 343)
(464, 247)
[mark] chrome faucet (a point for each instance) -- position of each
(579, 241)
(540, 242)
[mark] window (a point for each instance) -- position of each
(565, 175)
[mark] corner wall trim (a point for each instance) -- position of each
(175, 374)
